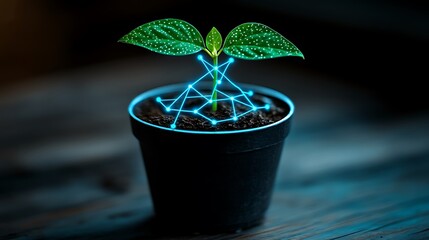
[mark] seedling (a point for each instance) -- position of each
(249, 41)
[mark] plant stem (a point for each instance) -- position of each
(214, 97)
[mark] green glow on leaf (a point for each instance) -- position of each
(167, 36)
(214, 41)
(253, 41)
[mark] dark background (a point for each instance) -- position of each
(355, 163)
(376, 46)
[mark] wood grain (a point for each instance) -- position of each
(70, 168)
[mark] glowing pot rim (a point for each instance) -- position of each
(175, 87)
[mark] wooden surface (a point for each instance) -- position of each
(71, 169)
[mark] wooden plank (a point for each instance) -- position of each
(70, 167)
(334, 206)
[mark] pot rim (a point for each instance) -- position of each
(172, 87)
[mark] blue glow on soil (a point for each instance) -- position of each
(172, 88)
(236, 95)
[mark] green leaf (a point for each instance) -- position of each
(167, 36)
(253, 41)
(214, 40)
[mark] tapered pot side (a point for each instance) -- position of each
(210, 181)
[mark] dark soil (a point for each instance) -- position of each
(152, 112)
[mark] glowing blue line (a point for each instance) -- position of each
(163, 104)
(233, 108)
(201, 78)
(223, 99)
(200, 94)
(220, 95)
(242, 114)
(239, 95)
(223, 74)
(219, 66)
(172, 88)
(203, 106)
(208, 70)
(225, 63)
(187, 90)
(205, 63)
(201, 115)
(181, 106)
(243, 103)
(233, 84)
(224, 96)
(243, 93)
(223, 93)
(205, 117)
(187, 111)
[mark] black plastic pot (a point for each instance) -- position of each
(211, 181)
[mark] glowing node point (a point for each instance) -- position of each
(267, 106)
(178, 104)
